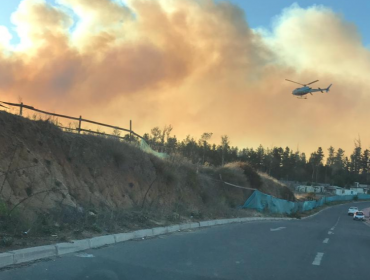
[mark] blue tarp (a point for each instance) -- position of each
(261, 201)
(363, 196)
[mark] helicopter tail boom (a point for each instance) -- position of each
(328, 88)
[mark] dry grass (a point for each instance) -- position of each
(274, 187)
(106, 185)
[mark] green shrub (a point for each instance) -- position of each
(253, 177)
(192, 179)
(295, 215)
(233, 174)
(7, 241)
(169, 175)
(96, 228)
(118, 158)
(230, 173)
(3, 209)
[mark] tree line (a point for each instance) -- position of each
(332, 167)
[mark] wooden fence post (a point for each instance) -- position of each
(79, 125)
(21, 109)
(130, 130)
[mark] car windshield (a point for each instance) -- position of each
(359, 214)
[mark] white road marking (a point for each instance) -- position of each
(335, 224)
(330, 232)
(326, 240)
(84, 255)
(276, 229)
(318, 258)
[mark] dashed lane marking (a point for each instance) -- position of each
(276, 229)
(318, 258)
(326, 240)
(335, 224)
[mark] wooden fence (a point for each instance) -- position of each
(80, 121)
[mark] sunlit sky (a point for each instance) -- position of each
(200, 65)
(259, 13)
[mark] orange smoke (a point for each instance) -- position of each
(194, 64)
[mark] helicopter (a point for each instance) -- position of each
(301, 92)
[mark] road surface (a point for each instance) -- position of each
(329, 245)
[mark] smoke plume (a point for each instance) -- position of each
(194, 64)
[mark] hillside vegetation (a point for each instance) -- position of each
(62, 185)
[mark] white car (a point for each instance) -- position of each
(352, 211)
(359, 216)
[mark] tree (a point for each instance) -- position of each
(156, 135)
(331, 156)
(225, 147)
(320, 155)
(339, 160)
(364, 167)
(203, 142)
(365, 161)
(189, 148)
(286, 163)
(166, 132)
(277, 154)
(267, 161)
(171, 143)
(316, 160)
(260, 155)
(356, 158)
(281, 163)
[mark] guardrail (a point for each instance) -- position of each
(80, 120)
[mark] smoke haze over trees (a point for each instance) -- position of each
(333, 166)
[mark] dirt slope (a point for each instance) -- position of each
(54, 183)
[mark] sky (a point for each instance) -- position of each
(258, 13)
(201, 66)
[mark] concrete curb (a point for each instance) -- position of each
(71, 247)
(35, 253)
(101, 241)
(41, 252)
(6, 259)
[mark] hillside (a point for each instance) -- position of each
(64, 185)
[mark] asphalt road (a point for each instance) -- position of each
(329, 245)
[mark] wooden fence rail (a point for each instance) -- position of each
(80, 121)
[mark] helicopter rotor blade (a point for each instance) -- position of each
(312, 82)
(294, 82)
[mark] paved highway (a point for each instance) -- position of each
(329, 245)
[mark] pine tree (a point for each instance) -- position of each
(339, 160)
(225, 147)
(331, 156)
